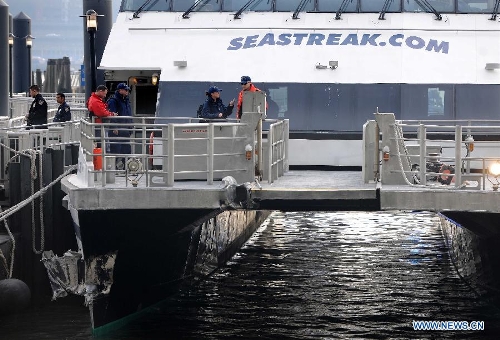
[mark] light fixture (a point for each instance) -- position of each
(11, 39)
(333, 64)
(494, 170)
(492, 66)
(154, 79)
(91, 20)
(91, 17)
(29, 41)
(180, 63)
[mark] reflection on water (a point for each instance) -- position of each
(311, 275)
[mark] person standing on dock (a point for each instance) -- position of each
(120, 135)
(63, 113)
(37, 116)
(98, 108)
(246, 85)
(214, 108)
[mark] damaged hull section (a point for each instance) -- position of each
(131, 259)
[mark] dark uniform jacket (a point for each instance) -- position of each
(212, 108)
(63, 113)
(38, 111)
(121, 105)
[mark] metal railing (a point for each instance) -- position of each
(181, 149)
(447, 154)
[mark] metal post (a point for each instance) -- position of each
(210, 154)
(423, 152)
(171, 156)
(458, 155)
(93, 76)
(11, 45)
(28, 46)
(270, 137)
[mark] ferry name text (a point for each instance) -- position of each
(284, 39)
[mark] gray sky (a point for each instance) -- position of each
(57, 28)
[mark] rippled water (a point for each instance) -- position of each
(307, 275)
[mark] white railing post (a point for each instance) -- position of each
(458, 155)
(171, 156)
(270, 141)
(210, 154)
(423, 152)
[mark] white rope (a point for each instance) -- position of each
(8, 269)
(22, 204)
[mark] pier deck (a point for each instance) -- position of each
(295, 190)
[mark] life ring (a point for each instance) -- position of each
(446, 171)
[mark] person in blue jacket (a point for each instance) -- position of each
(120, 103)
(214, 107)
(63, 113)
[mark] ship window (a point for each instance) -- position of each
(477, 101)
(375, 6)
(204, 6)
(257, 6)
(427, 101)
(446, 6)
(334, 5)
(475, 6)
(134, 5)
(291, 5)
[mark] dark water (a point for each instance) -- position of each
(306, 276)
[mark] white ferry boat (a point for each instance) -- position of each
(326, 65)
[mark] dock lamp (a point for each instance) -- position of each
(91, 17)
(11, 45)
(29, 43)
(154, 79)
(494, 171)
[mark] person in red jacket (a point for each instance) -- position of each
(98, 108)
(246, 85)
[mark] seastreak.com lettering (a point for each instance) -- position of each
(353, 39)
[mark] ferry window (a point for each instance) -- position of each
(427, 101)
(236, 5)
(277, 101)
(475, 6)
(477, 101)
(370, 98)
(374, 6)
(291, 5)
(134, 5)
(334, 5)
(204, 6)
(447, 6)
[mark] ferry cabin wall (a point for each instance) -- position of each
(411, 65)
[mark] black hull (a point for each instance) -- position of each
(472, 240)
(136, 258)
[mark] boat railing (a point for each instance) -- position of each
(446, 154)
(168, 150)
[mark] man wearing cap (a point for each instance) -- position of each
(38, 110)
(246, 85)
(213, 107)
(98, 108)
(120, 103)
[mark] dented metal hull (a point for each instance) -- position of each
(132, 259)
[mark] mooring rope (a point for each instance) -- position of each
(8, 269)
(398, 132)
(25, 202)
